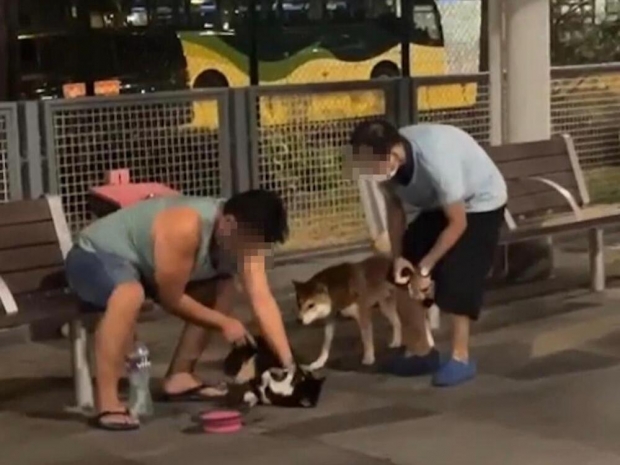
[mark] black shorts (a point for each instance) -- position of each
(460, 275)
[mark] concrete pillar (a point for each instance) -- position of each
(528, 65)
(528, 109)
(496, 68)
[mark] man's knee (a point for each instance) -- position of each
(130, 293)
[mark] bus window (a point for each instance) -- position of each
(294, 12)
(59, 56)
(426, 23)
(28, 56)
(355, 11)
(42, 15)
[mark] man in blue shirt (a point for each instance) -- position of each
(460, 197)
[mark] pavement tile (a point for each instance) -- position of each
(448, 439)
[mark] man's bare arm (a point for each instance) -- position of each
(265, 307)
(457, 224)
(396, 220)
(176, 237)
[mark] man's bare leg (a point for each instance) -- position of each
(113, 336)
(218, 295)
(460, 337)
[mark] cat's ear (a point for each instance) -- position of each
(297, 284)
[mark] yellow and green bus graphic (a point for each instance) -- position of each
(308, 53)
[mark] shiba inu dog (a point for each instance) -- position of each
(349, 290)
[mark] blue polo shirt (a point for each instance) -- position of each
(446, 165)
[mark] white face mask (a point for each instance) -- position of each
(378, 177)
(374, 177)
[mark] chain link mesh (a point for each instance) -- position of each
(300, 155)
(587, 107)
(171, 142)
(461, 27)
(465, 105)
(4, 157)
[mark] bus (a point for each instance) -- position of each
(63, 53)
(226, 43)
(311, 41)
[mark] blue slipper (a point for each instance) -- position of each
(414, 365)
(454, 373)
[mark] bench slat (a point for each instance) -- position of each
(541, 203)
(42, 279)
(519, 189)
(58, 307)
(20, 235)
(592, 217)
(30, 258)
(24, 211)
(527, 150)
(543, 166)
(549, 159)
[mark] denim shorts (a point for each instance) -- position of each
(93, 276)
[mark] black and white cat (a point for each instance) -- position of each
(256, 370)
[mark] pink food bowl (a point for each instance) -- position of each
(221, 421)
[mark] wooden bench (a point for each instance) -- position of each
(34, 240)
(548, 195)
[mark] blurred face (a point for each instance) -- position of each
(364, 164)
(236, 240)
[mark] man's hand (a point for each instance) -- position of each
(403, 271)
(233, 330)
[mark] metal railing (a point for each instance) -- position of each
(585, 103)
(180, 139)
(285, 138)
(458, 100)
(297, 136)
(10, 178)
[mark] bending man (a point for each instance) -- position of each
(460, 195)
(183, 252)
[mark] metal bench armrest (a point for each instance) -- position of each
(7, 299)
(560, 190)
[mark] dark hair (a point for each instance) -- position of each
(260, 211)
(378, 134)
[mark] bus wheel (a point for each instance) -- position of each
(384, 70)
(210, 78)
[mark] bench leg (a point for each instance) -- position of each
(597, 260)
(82, 380)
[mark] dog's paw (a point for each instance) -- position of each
(368, 361)
(316, 365)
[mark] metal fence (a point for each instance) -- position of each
(461, 21)
(285, 138)
(459, 100)
(10, 180)
(297, 137)
(179, 139)
(585, 103)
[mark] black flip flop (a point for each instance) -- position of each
(195, 394)
(97, 423)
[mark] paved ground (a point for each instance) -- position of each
(547, 393)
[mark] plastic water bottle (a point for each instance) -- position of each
(139, 370)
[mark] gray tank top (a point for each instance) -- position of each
(127, 233)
